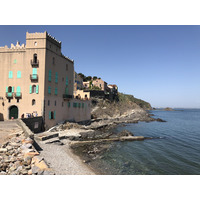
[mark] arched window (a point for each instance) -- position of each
(35, 43)
(9, 89)
(35, 58)
(34, 89)
(52, 115)
(33, 102)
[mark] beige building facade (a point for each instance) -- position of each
(37, 79)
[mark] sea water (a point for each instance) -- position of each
(177, 152)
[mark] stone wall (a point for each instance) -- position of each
(35, 124)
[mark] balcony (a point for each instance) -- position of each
(18, 95)
(9, 95)
(34, 77)
(67, 96)
(35, 63)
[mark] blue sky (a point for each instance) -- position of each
(159, 64)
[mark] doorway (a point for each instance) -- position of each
(13, 112)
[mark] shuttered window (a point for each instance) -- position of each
(37, 89)
(13, 89)
(30, 89)
(66, 81)
(49, 75)
(10, 75)
(49, 90)
(56, 91)
(18, 74)
(68, 104)
(56, 78)
(66, 90)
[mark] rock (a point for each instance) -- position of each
(24, 172)
(160, 120)
(14, 144)
(125, 133)
(3, 173)
(42, 165)
(27, 141)
(31, 154)
(3, 150)
(30, 172)
(9, 148)
(19, 169)
(28, 160)
(40, 172)
(35, 169)
(5, 144)
(13, 168)
(168, 109)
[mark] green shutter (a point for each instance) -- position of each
(19, 74)
(15, 61)
(56, 91)
(34, 71)
(49, 75)
(10, 75)
(66, 80)
(30, 89)
(37, 89)
(18, 89)
(49, 114)
(6, 89)
(66, 90)
(54, 115)
(13, 89)
(56, 79)
(49, 90)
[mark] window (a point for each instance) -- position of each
(33, 102)
(66, 80)
(35, 43)
(9, 89)
(18, 74)
(15, 61)
(66, 90)
(10, 75)
(82, 105)
(17, 100)
(52, 115)
(35, 57)
(18, 91)
(62, 104)
(66, 67)
(55, 103)
(68, 104)
(49, 90)
(9, 100)
(49, 75)
(56, 78)
(63, 79)
(53, 60)
(75, 105)
(48, 102)
(56, 91)
(34, 89)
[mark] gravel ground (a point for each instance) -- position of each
(61, 159)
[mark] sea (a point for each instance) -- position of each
(176, 152)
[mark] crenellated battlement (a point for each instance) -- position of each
(13, 47)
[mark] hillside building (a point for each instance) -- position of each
(38, 80)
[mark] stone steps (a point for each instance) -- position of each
(48, 136)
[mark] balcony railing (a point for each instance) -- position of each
(34, 77)
(18, 95)
(67, 96)
(9, 94)
(35, 63)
